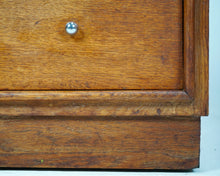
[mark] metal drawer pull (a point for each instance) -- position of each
(71, 28)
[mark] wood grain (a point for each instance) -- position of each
(94, 142)
(97, 97)
(189, 47)
(96, 103)
(192, 101)
(122, 44)
(85, 130)
(202, 57)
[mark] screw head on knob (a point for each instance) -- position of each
(71, 28)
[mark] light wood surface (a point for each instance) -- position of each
(122, 44)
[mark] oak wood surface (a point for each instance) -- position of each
(85, 130)
(202, 57)
(96, 103)
(192, 101)
(122, 44)
(189, 46)
(97, 142)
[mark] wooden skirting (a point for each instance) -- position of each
(100, 142)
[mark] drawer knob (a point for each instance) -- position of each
(71, 28)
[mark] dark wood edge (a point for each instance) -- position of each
(192, 101)
(100, 142)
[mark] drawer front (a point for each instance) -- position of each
(120, 44)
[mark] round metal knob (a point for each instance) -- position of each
(71, 28)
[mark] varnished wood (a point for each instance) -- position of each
(192, 101)
(97, 97)
(122, 44)
(94, 142)
(82, 109)
(189, 44)
(96, 103)
(84, 129)
(202, 57)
